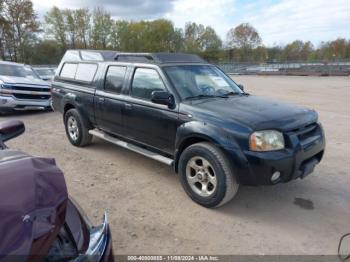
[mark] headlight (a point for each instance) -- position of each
(1, 87)
(267, 140)
(2, 92)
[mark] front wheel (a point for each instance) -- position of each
(206, 175)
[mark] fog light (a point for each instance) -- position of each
(3, 101)
(275, 176)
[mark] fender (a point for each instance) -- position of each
(79, 98)
(70, 100)
(198, 131)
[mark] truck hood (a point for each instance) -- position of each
(256, 112)
(23, 80)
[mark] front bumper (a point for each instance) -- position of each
(296, 161)
(100, 244)
(9, 102)
(94, 242)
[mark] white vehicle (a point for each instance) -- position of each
(22, 89)
(45, 73)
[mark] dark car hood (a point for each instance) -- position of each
(33, 197)
(256, 112)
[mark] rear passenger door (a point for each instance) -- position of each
(146, 122)
(109, 101)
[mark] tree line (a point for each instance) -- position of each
(24, 38)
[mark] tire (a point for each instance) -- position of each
(76, 130)
(50, 107)
(5, 112)
(206, 175)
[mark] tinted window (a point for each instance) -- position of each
(29, 72)
(80, 72)
(44, 72)
(115, 78)
(69, 70)
(86, 72)
(145, 82)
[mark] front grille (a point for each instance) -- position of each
(33, 97)
(27, 92)
(306, 131)
(26, 88)
(308, 135)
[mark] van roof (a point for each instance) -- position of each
(152, 58)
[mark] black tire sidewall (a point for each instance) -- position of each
(74, 113)
(5, 112)
(220, 190)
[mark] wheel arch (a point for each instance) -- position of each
(195, 132)
(193, 139)
(69, 105)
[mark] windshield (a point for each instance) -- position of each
(17, 71)
(200, 81)
(45, 72)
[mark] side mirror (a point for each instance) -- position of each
(11, 129)
(162, 98)
(241, 87)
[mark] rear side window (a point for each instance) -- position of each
(115, 78)
(80, 72)
(146, 81)
(86, 72)
(69, 70)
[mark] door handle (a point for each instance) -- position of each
(128, 106)
(101, 99)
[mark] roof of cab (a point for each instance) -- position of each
(151, 58)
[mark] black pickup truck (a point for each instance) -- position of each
(187, 113)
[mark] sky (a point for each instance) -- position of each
(277, 21)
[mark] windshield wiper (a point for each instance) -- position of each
(235, 94)
(231, 94)
(203, 96)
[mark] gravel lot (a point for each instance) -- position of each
(151, 214)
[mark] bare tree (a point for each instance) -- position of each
(101, 29)
(70, 24)
(83, 25)
(243, 36)
(3, 25)
(56, 26)
(199, 38)
(21, 25)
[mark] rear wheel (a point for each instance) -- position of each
(206, 175)
(76, 131)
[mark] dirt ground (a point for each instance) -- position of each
(150, 213)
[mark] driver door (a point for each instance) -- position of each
(145, 122)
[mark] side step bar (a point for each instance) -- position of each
(131, 147)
